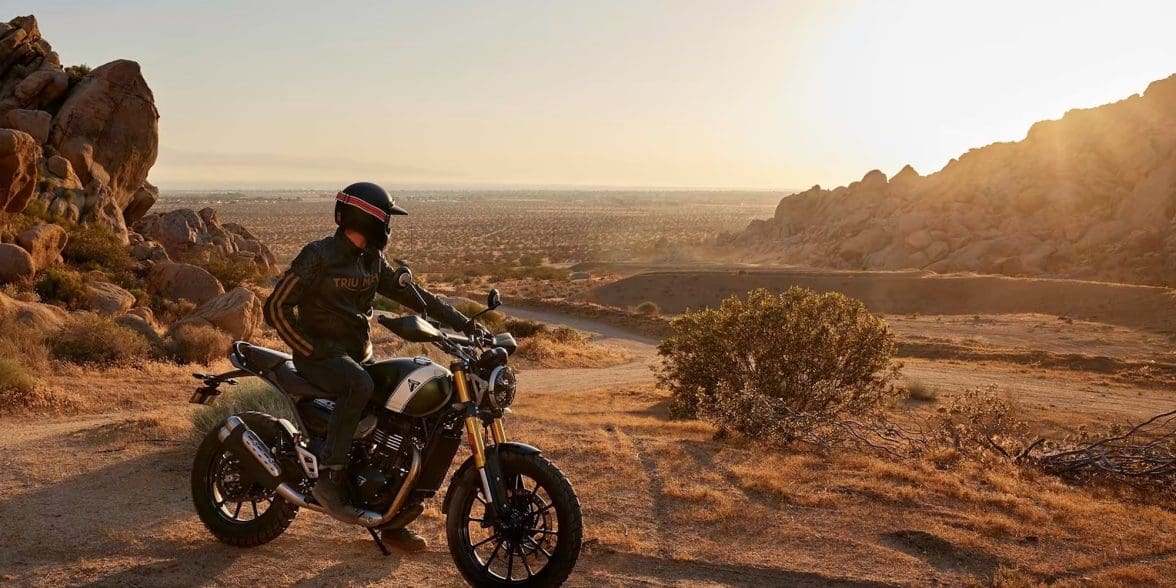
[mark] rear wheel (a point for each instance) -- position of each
(237, 511)
(540, 546)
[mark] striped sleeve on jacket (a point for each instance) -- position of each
(280, 307)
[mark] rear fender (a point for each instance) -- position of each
(492, 452)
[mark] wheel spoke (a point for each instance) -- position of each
(509, 562)
(544, 531)
(237, 512)
(493, 554)
(527, 567)
(484, 541)
(539, 547)
(253, 503)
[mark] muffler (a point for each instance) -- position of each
(257, 462)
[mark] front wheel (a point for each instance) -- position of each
(541, 545)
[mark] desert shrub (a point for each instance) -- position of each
(251, 395)
(230, 271)
(648, 308)
(61, 285)
(96, 247)
(494, 321)
(20, 290)
(780, 367)
(565, 348)
(978, 421)
(523, 328)
(87, 338)
(921, 392)
(19, 340)
(169, 311)
(15, 378)
(197, 344)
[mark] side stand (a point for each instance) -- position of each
(379, 542)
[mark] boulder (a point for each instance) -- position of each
(141, 201)
(186, 234)
(34, 122)
(19, 153)
(108, 299)
(45, 318)
(44, 243)
(237, 312)
(15, 264)
(108, 128)
(182, 281)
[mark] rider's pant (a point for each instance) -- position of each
(350, 386)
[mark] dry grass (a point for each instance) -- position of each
(565, 348)
(90, 339)
(655, 486)
(202, 344)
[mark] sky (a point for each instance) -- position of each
(632, 93)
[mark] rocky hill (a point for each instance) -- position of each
(1092, 196)
(76, 146)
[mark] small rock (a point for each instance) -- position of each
(34, 122)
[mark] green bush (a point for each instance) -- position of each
(781, 367)
(648, 308)
(201, 344)
(61, 285)
(523, 328)
(87, 338)
(96, 247)
(251, 395)
(14, 377)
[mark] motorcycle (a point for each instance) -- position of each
(512, 517)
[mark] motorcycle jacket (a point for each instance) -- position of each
(321, 307)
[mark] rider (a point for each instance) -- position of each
(321, 307)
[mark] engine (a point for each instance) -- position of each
(381, 461)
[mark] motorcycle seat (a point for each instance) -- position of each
(291, 382)
(261, 359)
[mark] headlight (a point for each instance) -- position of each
(502, 386)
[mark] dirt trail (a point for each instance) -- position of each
(86, 501)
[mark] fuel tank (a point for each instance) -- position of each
(414, 386)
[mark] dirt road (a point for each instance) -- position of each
(103, 500)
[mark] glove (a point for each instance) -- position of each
(476, 331)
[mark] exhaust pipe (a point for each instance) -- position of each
(260, 464)
(256, 459)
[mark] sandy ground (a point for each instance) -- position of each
(103, 499)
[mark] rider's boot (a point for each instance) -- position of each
(331, 492)
(403, 539)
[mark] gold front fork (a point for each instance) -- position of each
(473, 426)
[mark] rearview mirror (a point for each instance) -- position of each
(403, 276)
(493, 299)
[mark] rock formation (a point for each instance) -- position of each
(1092, 195)
(81, 141)
(187, 235)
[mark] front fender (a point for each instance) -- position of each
(492, 452)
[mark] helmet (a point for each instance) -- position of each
(367, 209)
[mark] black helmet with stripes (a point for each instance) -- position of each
(368, 209)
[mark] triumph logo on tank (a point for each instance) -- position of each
(413, 385)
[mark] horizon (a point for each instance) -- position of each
(612, 96)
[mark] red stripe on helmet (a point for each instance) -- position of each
(346, 198)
